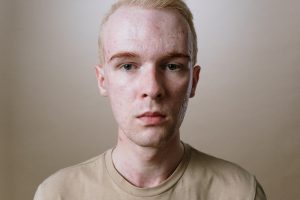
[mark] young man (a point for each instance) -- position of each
(148, 70)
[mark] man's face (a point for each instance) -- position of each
(147, 73)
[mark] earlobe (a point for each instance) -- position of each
(101, 80)
(196, 74)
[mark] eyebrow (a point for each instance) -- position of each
(165, 57)
(177, 55)
(124, 55)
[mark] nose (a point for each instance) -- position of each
(151, 83)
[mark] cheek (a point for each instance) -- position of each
(122, 86)
(179, 97)
(118, 105)
(117, 96)
(180, 87)
(120, 94)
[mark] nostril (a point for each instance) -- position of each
(154, 96)
(157, 96)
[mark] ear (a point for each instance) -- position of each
(101, 80)
(196, 74)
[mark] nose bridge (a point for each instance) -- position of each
(151, 82)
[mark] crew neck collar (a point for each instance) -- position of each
(153, 191)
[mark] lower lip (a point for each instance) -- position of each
(152, 120)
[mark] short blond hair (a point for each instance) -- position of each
(177, 5)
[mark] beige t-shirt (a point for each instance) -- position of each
(198, 177)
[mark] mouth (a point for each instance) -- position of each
(152, 118)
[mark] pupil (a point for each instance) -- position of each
(172, 66)
(127, 66)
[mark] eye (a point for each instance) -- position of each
(127, 67)
(173, 67)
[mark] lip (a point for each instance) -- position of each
(152, 118)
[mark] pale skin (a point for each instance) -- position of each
(148, 77)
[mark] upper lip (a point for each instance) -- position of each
(151, 114)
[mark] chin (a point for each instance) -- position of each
(154, 137)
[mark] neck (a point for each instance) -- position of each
(147, 166)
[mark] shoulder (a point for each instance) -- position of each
(84, 170)
(71, 179)
(216, 177)
(217, 167)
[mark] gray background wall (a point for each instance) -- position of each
(247, 108)
(4, 90)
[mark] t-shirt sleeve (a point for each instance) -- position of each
(38, 194)
(260, 194)
(47, 191)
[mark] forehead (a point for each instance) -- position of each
(149, 32)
